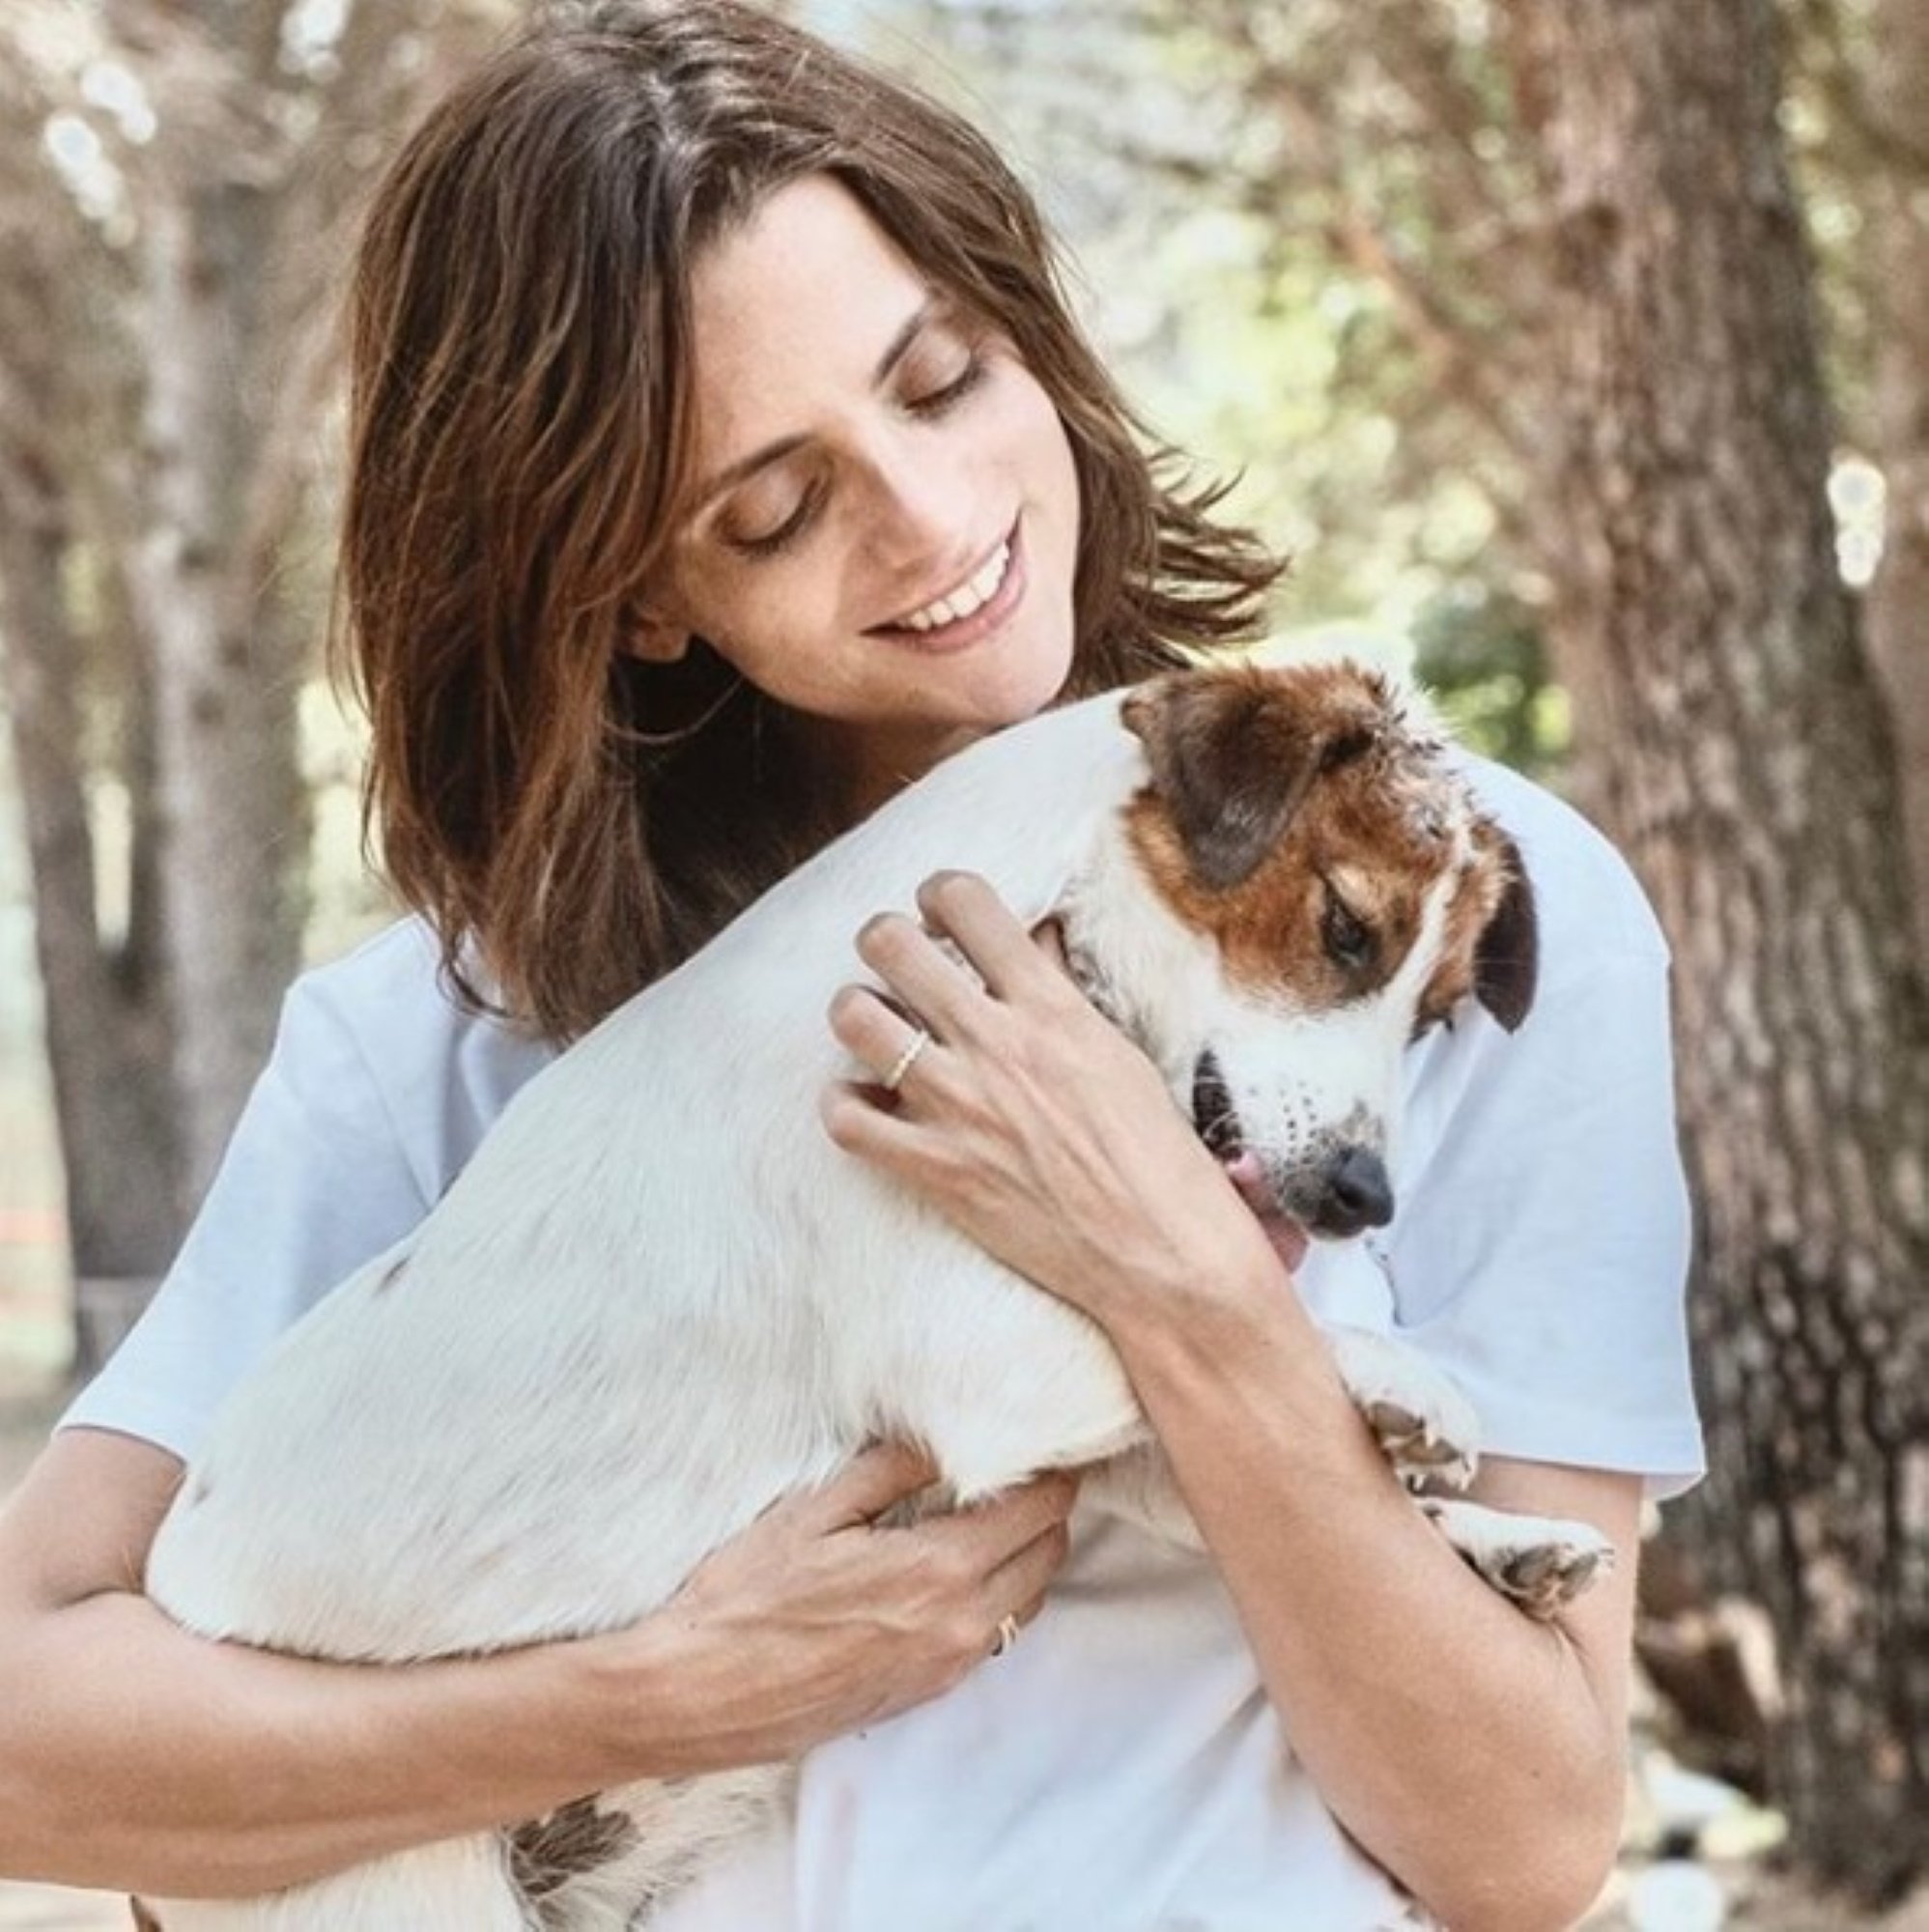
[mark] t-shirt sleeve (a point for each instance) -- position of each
(1540, 1256)
(315, 1182)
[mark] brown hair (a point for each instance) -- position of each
(521, 439)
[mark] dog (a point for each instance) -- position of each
(659, 1299)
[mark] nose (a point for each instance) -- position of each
(921, 500)
(1355, 1194)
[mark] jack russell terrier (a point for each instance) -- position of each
(659, 1298)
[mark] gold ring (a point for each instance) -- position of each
(906, 1061)
(1007, 1635)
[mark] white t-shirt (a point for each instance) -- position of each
(1121, 1769)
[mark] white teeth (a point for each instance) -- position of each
(971, 595)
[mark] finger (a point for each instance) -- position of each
(1017, 1586)
(1025, 1614)
(862, 1119)
(918, 972)
(878, 1034)
(1048, 936)
(988, 1534)
(873, 1480)
(968, 911)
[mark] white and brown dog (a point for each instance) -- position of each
(659, 1298)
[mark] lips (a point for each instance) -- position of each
(963, 632)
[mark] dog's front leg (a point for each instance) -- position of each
(1429, 1434)
(1426, 1428)
(1539, 1562)
(1423, 1423)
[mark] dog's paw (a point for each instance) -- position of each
(1423, 1423)
(1540, 1563)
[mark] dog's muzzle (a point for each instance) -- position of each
(1354, 1192)
(1340, 1191)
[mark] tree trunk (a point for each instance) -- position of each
(160, 383)
(228, 673)
(1750, 777)
(1898, 603)
(105, 1013)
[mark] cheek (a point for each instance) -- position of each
(1031, 435)
(1049, 449)
(762, 619)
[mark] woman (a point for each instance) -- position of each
(724, 457)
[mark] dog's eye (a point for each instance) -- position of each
(1347, 938)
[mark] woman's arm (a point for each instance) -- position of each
(134, 1757)
(1477, 1754)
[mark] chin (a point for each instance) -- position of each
(1034, 680)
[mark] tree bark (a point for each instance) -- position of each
(159, 392)
(1751, 780)
(105, 1013)
(1898, 602)
(228, 665)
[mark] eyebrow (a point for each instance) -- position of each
(775, 452)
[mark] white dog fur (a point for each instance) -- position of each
(659, 1298)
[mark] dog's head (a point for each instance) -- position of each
(1324, 890)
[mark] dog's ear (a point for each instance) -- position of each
(1507, 956)
(1233, 759)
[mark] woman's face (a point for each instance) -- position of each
(884, 528)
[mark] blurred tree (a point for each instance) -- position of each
(1857, 110)
(1752, 783)
(174, 182)
(1895, 156)
(1481, 653)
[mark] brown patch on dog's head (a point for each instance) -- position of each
(1300, 818)
(144, 1919)
(1231, 764)
(1279, 821)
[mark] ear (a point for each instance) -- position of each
(652, 639)
(1233, 762)
(1507, 956)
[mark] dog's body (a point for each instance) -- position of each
(659, 1298)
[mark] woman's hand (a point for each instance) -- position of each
(817, 1620)
(1029, 1120)
(256, 1771)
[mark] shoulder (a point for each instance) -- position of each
(390, 983)
(382, 1029)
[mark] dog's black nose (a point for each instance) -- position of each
(1355, 1194)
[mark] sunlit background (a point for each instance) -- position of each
(1292, 229)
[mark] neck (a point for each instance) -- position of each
(867, 766)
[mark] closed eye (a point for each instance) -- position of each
(1348, 940)
(786, 534)
(930, 407)
(948, 395)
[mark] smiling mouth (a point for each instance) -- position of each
(969, 610)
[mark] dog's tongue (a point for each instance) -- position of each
(1287, 1238)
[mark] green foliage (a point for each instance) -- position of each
(1481, 654)
(1209, 229)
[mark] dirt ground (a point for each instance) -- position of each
(1757, 1899)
